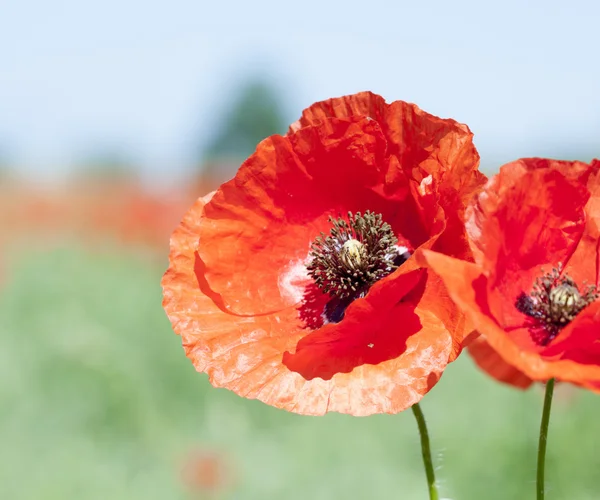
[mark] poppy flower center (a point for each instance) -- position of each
(555, 300)
(358, 252)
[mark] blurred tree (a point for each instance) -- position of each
(255, 114)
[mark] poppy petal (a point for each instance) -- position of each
(588, 248)
(488, 360)
(246, 354)
(416, 137)
(423, 143)
(579, 341)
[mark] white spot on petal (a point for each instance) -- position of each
(292, 281)
(425, 186)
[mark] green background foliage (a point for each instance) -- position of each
(98, 401)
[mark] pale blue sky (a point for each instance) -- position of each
(149, 77)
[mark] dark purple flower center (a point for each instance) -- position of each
(357, 252)
(554, 301)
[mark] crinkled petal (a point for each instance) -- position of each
(250, 355)
(584, 265)
(424, 144)
(528, 180)
(412, 133)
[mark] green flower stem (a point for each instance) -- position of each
(426, 452)
(541, 463)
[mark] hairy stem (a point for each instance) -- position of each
(426, 452)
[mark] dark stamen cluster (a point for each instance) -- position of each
(554, 302)
(357, 253)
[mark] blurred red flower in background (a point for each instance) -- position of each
(90, 211)
(532, 291)
(207, 472)
(294, 283)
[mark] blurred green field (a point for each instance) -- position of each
(97, 401)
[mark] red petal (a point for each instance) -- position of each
(584, 265)
(494, 365)
(580, 340)
(419, 139)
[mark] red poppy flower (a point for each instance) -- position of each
(294, 283)
(532, 291)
